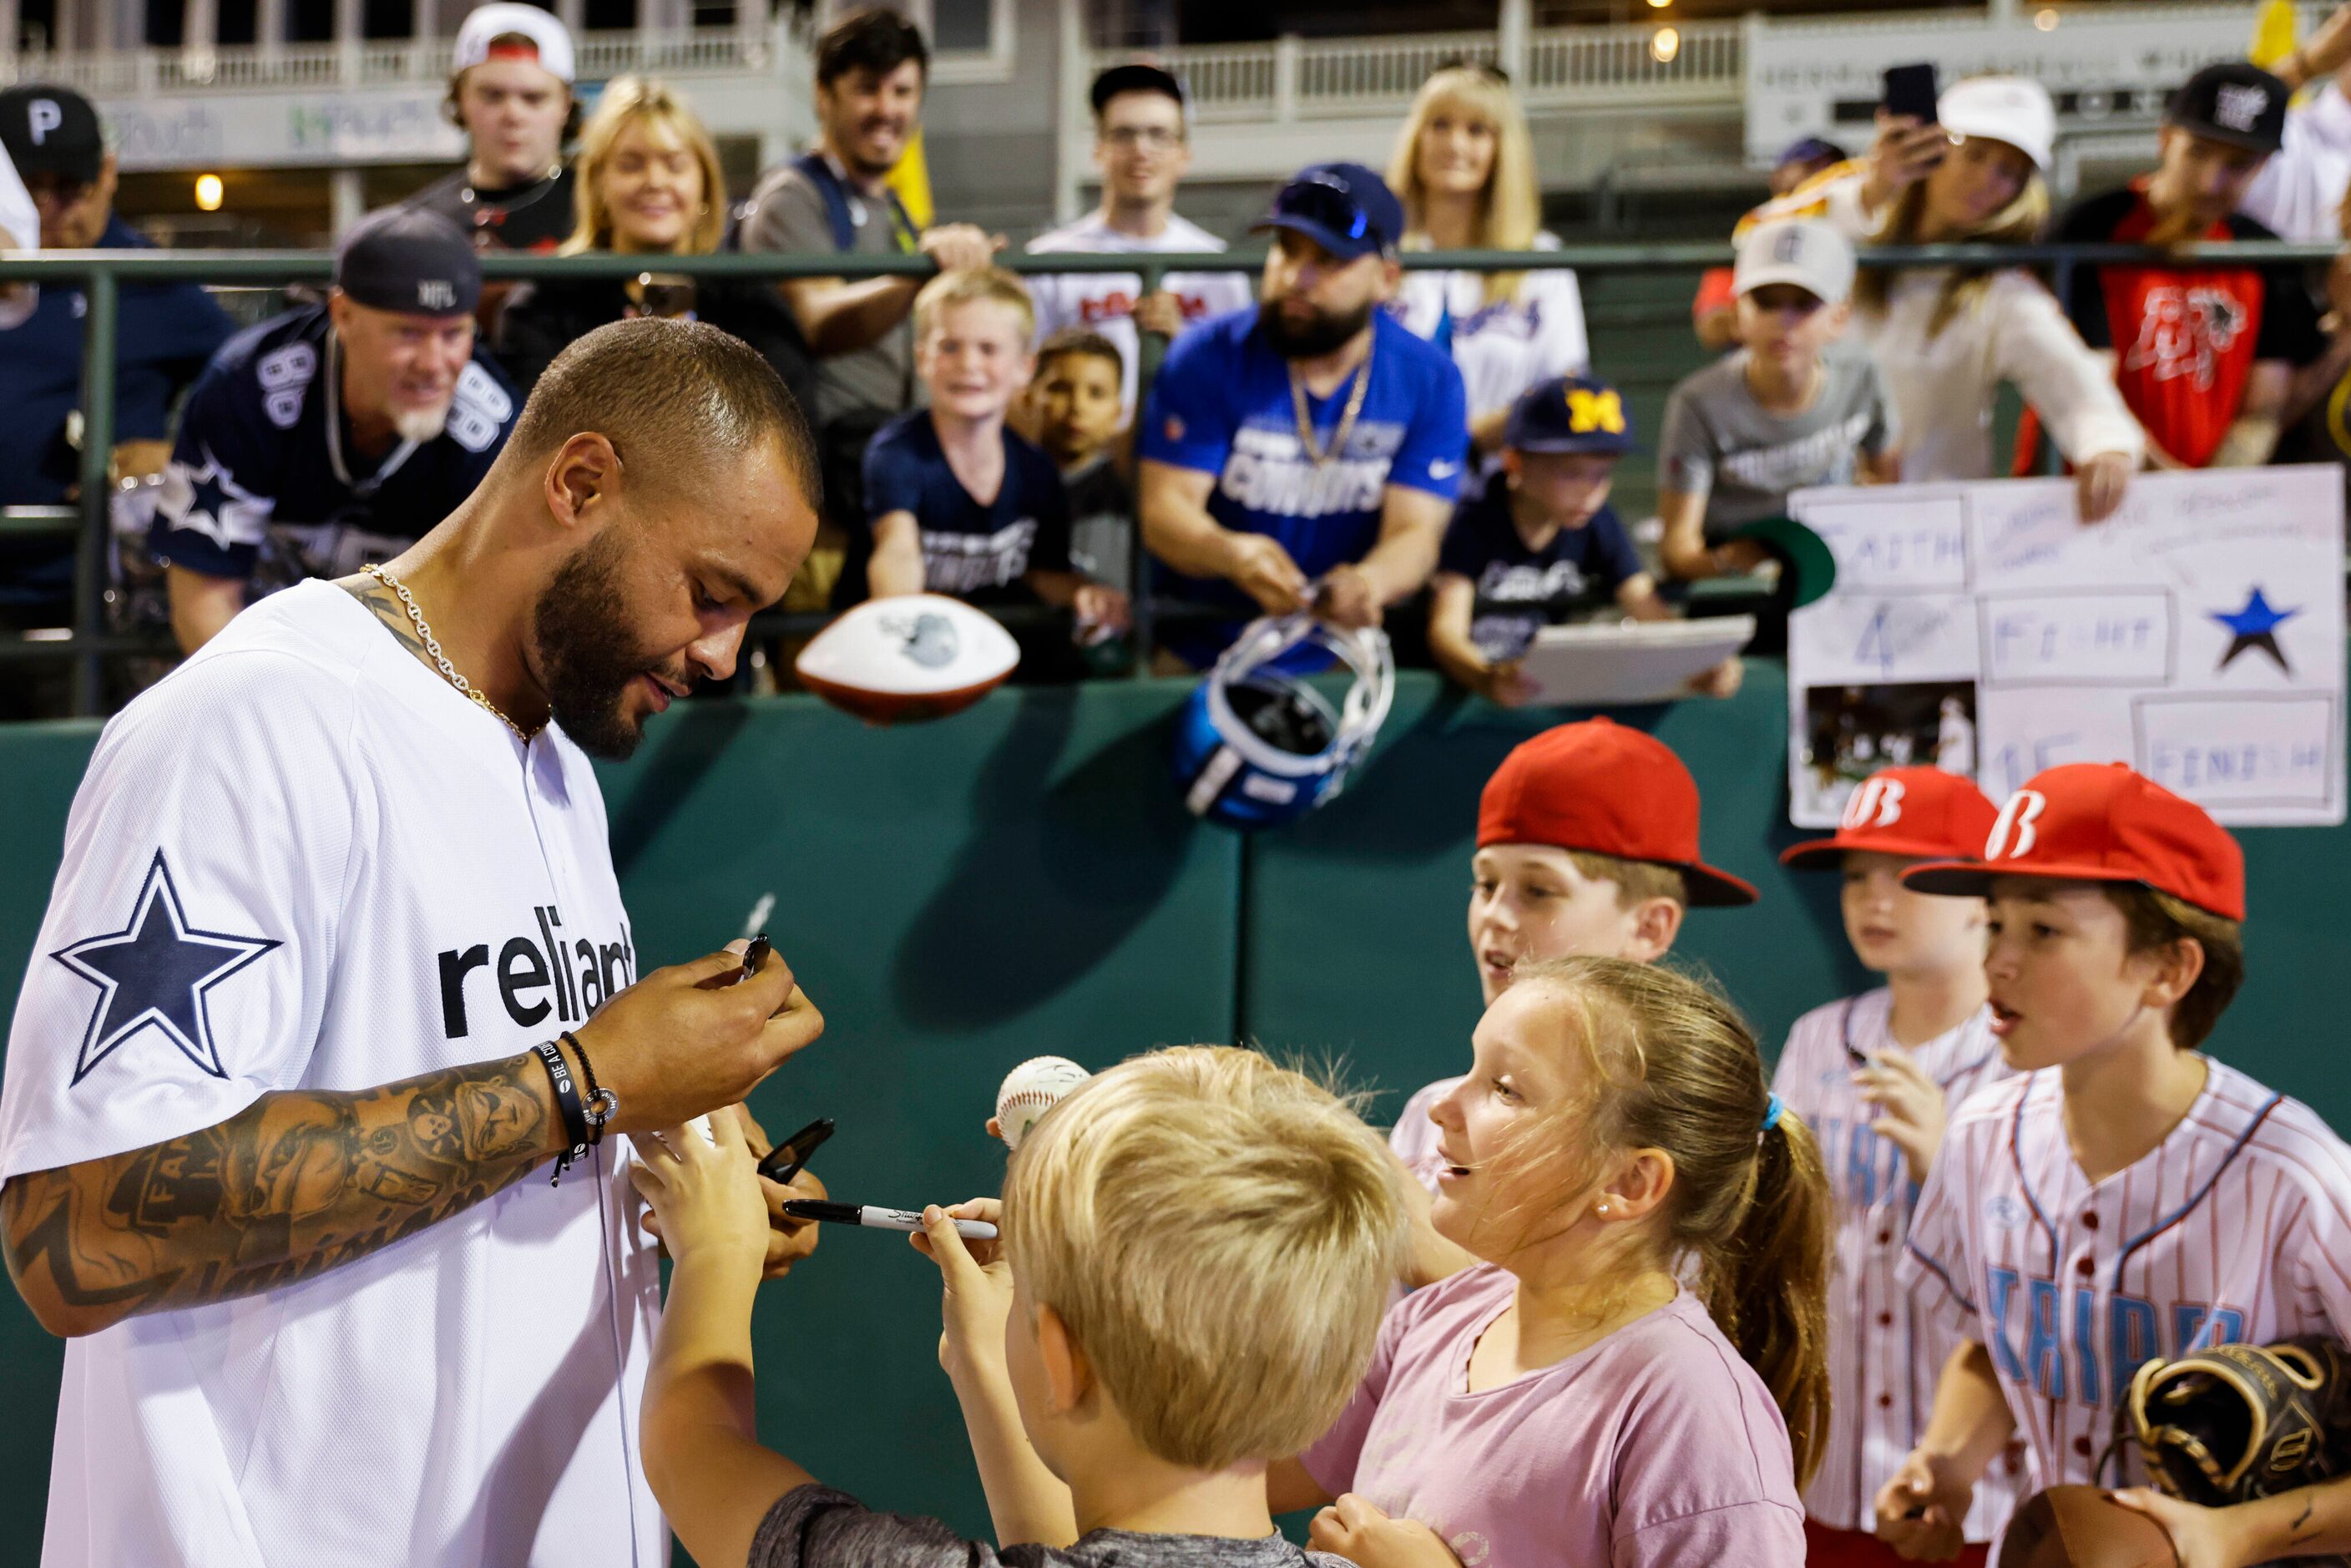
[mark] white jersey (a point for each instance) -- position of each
(1104, 302)
(2236, 1227)
(1414, 1136)
(303, 860)
(1886, 1348)
(2299, 192)
(1502, 349)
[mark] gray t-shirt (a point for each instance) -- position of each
(787, 213)
(816, 1526)
(1720, 442)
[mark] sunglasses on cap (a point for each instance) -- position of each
(1322, 201)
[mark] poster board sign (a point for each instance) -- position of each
(2197, 634)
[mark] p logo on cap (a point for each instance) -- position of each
(42, 116)
(2024, 808)
(1877, 803)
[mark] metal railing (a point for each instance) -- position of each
(101, 275)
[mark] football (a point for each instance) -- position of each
(916, 656)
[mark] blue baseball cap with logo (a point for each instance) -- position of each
(1569, 413)
(410, 260)
(1345, 209)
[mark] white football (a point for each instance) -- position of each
(1030, 1090)
(919, 655)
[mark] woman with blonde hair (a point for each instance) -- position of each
(649, 184)
(1944, 337)
(1465, 171)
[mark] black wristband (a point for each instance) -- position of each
(567, 1104)
(601, 1105)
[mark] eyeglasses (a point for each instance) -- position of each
(1154, 137)
(1324, 202)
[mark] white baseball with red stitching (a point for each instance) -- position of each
(1030, 1090)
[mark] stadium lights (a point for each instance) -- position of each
(208, 193)
(1660, 5)
(1665, 44)
(2046, 18)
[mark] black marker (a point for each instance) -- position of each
(879, 1218)
(784, 1161)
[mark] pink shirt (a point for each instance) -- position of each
(1658, 1445)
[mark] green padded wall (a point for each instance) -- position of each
(1022, 880)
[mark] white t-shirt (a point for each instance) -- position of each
(2299, 192)
(20, 230)
(1104, 302)
(308, 862)
(1503, 349)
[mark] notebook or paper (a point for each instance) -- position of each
(1601, 664)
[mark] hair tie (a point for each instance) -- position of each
(1772, 1109)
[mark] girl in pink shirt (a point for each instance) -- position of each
(1567, 1400)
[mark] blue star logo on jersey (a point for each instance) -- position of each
(2254, 626)
(156, 972)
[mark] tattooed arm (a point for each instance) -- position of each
(297, 1183)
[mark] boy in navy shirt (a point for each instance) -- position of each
(957, 502)
(1542, 546)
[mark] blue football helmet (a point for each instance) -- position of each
(1257, 745)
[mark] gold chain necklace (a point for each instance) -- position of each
(433, 650)
(1315, 451)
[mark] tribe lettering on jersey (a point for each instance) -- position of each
(1104, 302)
(2236, 1227)
(1886, 1348)
(1521, 589)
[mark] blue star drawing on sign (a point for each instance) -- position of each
(157, 971)
(2254, 626)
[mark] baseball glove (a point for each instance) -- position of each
(2241, 1421)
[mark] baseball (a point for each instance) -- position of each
(1030, 1090)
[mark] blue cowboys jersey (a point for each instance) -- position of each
(252, 490)
(976, 553)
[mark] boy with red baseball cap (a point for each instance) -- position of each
(1587, 843)
(2126, 1198)
(1875, 1076)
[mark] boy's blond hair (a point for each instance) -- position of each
(973, 285)
(1635, 880)
(1220, 1235)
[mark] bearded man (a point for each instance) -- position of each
(1306, 456)
(333, 437)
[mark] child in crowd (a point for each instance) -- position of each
(1875, 1076)
(1587, 843)
(1568, 1399)
(2128, 1196)
(957, 502)
(1075, 402)
(1540, 545)
(1197, 1245)
(1782, 412)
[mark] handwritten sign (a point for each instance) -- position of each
(2198, 635)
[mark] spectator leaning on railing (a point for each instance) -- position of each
(1714, 312)
(332, 438)
(650, 186)
(2204, 352)
(1464, 169)
(511, 94)
(1945, 338)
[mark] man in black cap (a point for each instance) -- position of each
(1305, 455)
(2204, 352)
(164, 334)
(321, 442)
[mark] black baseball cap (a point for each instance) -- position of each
(1345, 209)
(1569, 413)
(410, 260)
(2234, 101)
(1136, 77)
(50, 129)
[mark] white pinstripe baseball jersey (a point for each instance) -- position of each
(2237, 1227)
(1885, 1346)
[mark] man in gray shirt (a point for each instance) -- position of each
(870, 68)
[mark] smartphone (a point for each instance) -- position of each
(784, 1161)
(1910, 91)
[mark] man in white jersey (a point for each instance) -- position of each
(1875, 1076)
(1143, 148)
(2128, 1197)
(336, 958)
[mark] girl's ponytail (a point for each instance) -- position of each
(1766, 1283)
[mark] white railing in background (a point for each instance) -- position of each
(1589, 63)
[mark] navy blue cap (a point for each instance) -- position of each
(1345, 209)
(1809, 150)
(1569, 413)
(410, 260)
(50, 129)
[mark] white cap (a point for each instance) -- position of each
(2014, 109)
(1806, 252)
(549, 35)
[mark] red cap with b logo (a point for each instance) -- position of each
(2099, 822)
(1921, 811)
(1600, 787)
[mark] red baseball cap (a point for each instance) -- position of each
(1921, 811)
(2099, 822)
(1599, 786)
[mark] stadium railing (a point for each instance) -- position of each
(101, 275)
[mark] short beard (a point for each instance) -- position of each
(580, 626)
(1328, 333)
(421, 424)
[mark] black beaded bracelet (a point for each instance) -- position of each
(567, 1105)
(601, 1105)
